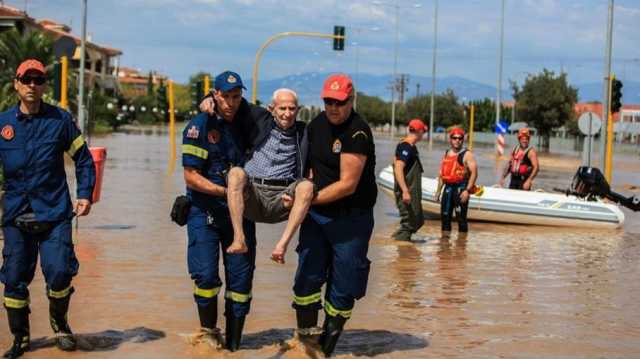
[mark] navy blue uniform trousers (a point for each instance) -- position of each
(333, 252)
(20, 255)
(206, 241)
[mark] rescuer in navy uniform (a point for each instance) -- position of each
(37, 205)
(334, 237)
(211, 145)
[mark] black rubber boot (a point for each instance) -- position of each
(19, 326)
(306, 318)
(209, 314)
(332, 329)
(58, 309)
(233, 332)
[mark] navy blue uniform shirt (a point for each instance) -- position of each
(408, 154)
(32, 151)
(208, 145)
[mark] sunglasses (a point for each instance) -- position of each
(332, 102)
(456, 138)
(27, 80)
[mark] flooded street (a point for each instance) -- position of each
(503, 291)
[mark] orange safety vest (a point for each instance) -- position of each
(452, 168)
(520, 163)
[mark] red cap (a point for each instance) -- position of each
(524, 132)
(417, 125)
(456, 131)
(30, 64)
(338, 87)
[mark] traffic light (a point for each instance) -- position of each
(197, 93)
(162, 97)
(616, 95)
(338, 44)
(57, 81)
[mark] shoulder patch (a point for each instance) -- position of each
(8, 132)
(213, 136)
(360, 133)
(193, 132)
(405, 152)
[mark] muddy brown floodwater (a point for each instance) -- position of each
(503, 291)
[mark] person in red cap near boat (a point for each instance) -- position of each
(37, 205)
(407, 170)
(523, 166)
(458, 174)
(334, 237)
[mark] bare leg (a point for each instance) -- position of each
(301, 203)
(236, 180)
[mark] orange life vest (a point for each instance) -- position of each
(452, 169)
(520, 163)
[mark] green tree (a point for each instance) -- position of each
(374, 110)
(485, 114)
(545, 101)
(448, 111)
(15, 48)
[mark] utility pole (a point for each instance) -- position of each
(606, 104)
(418, 89)
(402, 85)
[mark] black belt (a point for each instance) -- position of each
(272, 182)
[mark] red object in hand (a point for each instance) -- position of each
(99, 155)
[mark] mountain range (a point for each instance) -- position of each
(308, 86)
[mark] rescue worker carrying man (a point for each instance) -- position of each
(211, 145)
(37, 205)
(458, 173)
(407, 171)
(523, 166)
(334, 237)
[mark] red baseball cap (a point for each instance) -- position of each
(30, 64)
(338, 87)
(456, 131)
(524, 132)
(417, 125)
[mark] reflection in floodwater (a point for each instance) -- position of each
(502, 291)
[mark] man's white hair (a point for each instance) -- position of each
(283, 90)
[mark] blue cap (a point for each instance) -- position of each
(228, 80)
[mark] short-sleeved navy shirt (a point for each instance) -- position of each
(208, 145)
(326, 143)
(408, 154)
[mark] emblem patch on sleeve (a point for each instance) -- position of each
(8, 133)
(193, 132)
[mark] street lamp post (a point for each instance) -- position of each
(433, 74)
(396, 7)
(83, 40)
(499, 84)
(355, 45)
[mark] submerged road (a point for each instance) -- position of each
(503, 291)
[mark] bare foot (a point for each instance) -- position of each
(278, 254)
(238, 246)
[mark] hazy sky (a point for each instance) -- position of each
(181, 37)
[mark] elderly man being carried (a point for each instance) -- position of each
(270, 187)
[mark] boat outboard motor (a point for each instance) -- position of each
(589, 182)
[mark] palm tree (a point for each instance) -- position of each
(15, 48)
